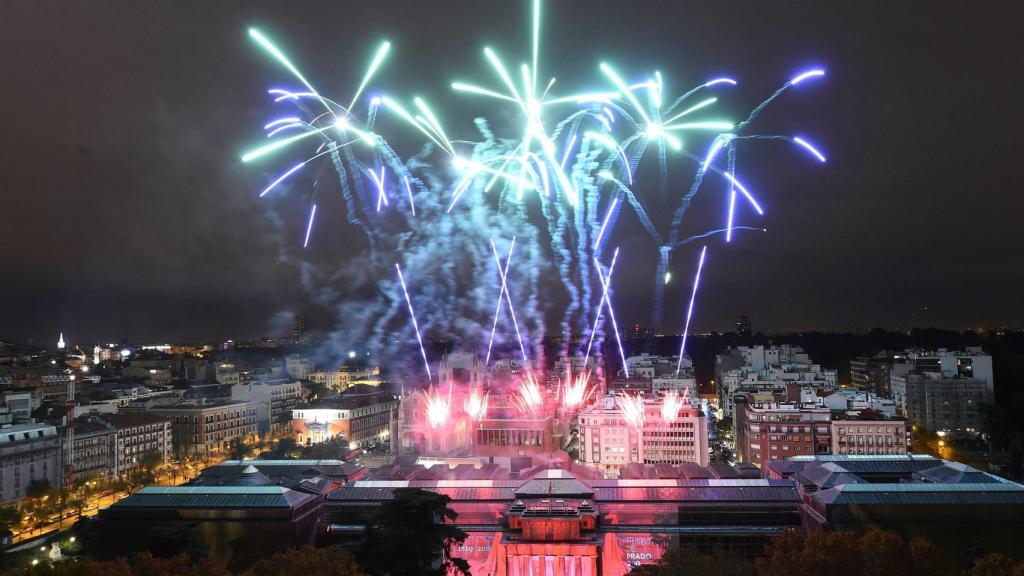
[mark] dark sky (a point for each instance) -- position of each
(124, 211)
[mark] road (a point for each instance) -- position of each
(94, 505)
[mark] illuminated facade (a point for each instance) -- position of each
(869, 437)
(607, 441)
(556, 523)
(773, 431)
(340, 379)
(362, 419)
(208, 428)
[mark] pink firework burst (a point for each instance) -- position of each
(528, 397)
(632, 408)
(576, 391)
(438, 408)
(476, 405)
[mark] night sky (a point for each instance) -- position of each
(125, 213)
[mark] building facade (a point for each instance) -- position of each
(941, 403)
(274, 400)
(28, 452)
(340, 379)
(362, 419)
(93, 454)
(767, 370)
(607, 441)
(774, 431)
(139, 434)
(557, 523)
(869, 437)
(203, 429)
(298, 367)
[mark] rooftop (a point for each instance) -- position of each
(177, 497)
(129, 420)
(289, 473)
(351, 401)
(30, 431)
(922, 493)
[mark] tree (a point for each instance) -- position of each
(832, 553)
(883, 553)
(284, 448)
(410, 536)
(305, 561)
(139, 478)
(690, 562)
(995, 564)
(151, 460)
(38, 512)
(10, 519)
(926, 558)
(330, 450)
(78, 504)
(38, 489)
(145, 564)
(240, 449)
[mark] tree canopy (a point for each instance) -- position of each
(410, 536)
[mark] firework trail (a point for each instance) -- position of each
(689, 309)
(508, 297)
(415, 325)
(606, 282)
(578, 155)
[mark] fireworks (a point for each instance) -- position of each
(476, 405)
(438, 408)
(576, 391)
(807, 146)
(309, 227)
(503, 272)
(672, 403)
(632, 408)
(578, 154)
(528, 396)
(689, 309)
(412, 314)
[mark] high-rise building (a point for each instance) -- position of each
(875, 373)
(300, 328)
(93, 454)
(651, 373)
(743, 325)
(942, 403)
